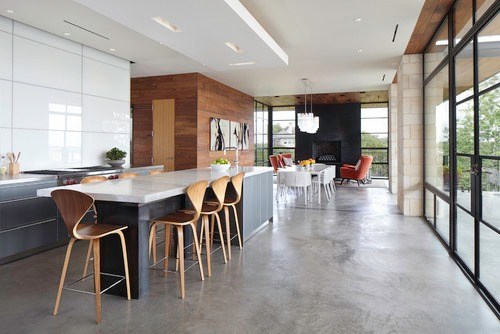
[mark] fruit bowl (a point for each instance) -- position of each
(220, 167)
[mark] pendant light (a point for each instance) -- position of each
(307, 121)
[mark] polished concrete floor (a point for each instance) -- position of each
(354, 265)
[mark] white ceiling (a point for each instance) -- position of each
(320, 38)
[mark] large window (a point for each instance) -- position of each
(461, 131)
(374, 137)
(283, 140)
(261, 125)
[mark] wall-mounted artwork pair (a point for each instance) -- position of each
(226, 134)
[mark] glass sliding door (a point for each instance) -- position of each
(461, 140)
(487, 171)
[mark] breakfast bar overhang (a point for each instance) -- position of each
(134, 202)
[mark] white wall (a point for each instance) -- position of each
(62, 104)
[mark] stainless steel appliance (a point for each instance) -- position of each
(67, 176)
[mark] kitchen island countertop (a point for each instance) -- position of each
(150, 188)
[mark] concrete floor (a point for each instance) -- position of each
(354, 265)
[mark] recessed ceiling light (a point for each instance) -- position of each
(359, 50)
(10, 11)
(67, 34)
(243, 64)
(112, 50)
(166, 24)
(358, 19)
(234, 47)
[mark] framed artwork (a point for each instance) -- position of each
(239, 135)
(219, 134)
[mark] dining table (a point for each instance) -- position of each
(314, 170)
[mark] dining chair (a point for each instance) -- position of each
(324, 180)
(73, 205)
(195, 193)
(299, 180)
(128, 175)
(86, 180)
(211, 208)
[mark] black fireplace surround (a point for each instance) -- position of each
(339, 134)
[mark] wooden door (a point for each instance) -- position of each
(164, 133)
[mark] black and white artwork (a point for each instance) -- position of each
(219, 134)
(239, 135)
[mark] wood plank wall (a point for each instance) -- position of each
(218, 100)
(197, 98)
(182, 88)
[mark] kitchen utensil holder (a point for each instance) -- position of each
(13, 168)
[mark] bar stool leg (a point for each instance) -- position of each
(97, 278)
(63, 274)
(153, 243)
(168, 238)
(212, 232)
(152, 247)
(198, 252)
(208, 248)
(125, 262)
(87, 259)
(219, 226)
(228, 232)
(237, 226)
(180, 243)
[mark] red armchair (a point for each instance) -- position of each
(358, 172)
(274, 162)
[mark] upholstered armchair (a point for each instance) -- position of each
(274, 162)
(358, 172)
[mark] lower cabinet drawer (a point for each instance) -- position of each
(28, 237)
(26, 212)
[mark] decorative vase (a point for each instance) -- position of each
(115, 163)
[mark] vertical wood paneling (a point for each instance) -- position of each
(197, 98)
(183, 89)
(218, 100)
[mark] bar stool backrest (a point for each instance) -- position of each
(128, 175)
(196, 193)
(94, 179)
(72, 205)
(155, 171)
(219, 187)
(235, 187)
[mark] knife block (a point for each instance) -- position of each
(13, 168)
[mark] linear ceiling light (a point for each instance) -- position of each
(243, 64)
(234, 47)
(257, 28)
(166, 24)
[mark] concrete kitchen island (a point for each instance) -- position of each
(134, 202)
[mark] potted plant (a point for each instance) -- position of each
(116, 157)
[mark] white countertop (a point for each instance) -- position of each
(21, 178)
(150, 188)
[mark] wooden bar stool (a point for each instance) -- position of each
(179, 219)
(211, 208)
(91, 179)
(233, 197)
(155, 172)
(73, 205)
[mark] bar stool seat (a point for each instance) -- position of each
(92, 231)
